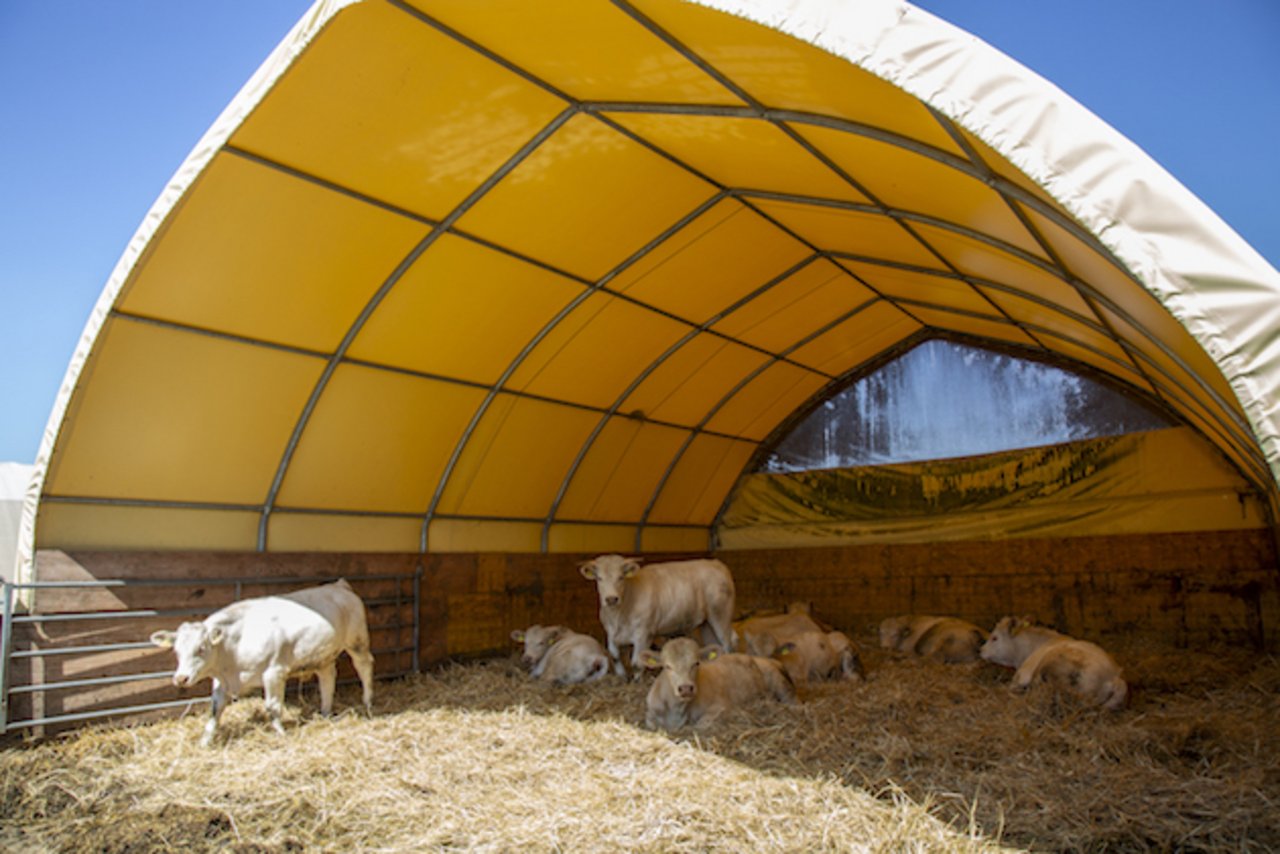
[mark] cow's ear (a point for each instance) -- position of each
(709, 653)
(651, 659)
(517, 636)
(216, 635)
(588, 570)
(554, 634)
(164, 640)
(784, 650)
(630, 567)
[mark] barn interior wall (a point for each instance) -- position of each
(1188, 588)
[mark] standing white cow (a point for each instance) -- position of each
(696, 686)
(558, 654)
(638, 603)
(1041, 653)
(262, 641)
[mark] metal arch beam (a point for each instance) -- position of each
(711, 413)
(432, 236)
(645, 374)
(528, 348)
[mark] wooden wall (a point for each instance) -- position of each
(1189, 588)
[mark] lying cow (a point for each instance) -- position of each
(806, 648)
(1040, 653)
(820, 656)
(561, 655)
(263, 641)
(945, 639)
(639, 603)
(696, 686)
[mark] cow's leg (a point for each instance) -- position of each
(273, 680)
(327, 675)
(363, 660)
(722, 625)
(218, 702)
(639, 647)
(618, 667)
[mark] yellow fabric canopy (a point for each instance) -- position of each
(500, 275)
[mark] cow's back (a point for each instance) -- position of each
(678, 596)
(302, 629)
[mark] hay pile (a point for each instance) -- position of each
(479, 757)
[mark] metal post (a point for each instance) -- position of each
(6, 642)
(417, 614)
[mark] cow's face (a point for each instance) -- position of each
(679, 660)
(847, 653)
(1000, 647)
(892, 632)
(610, 573)
(195, 647)
(537, 641)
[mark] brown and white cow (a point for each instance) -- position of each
(820, 656)
(697, 685)
(808, 649)
(1040, 653)
(947, 639)
(561, 655)
(639, 603)
(263, 641)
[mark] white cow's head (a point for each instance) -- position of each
(196, 646)
(1001, 646)
(610, 573)
(679, 662)
(537, 641)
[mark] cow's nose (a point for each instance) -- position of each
(527, 659)
(179, 680)
(685, 690)
(611, 600)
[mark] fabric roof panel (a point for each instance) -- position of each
(620, 471)
(462, 311)
(788, 74)
(1122, 371)
(795, 307)
(697, 484)
(591, 539)
(128, 528)
(999, 165)
(856, 339)
(683, 388)
(621, 61)
(263, 255)
(770, 396)
(592, 355)
(585, 200)
(660, 538)
(377, 440)
(419, 122)
(327, 532)
(516, 459)
(1141, 307)
(483, 535)
(895, 283)
(740, 153)
(714, 261)
(218, 416)
(834, 229)
(907, 181)
(968, 324)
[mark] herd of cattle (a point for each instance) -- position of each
(263, 641)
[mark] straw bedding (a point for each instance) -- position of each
(477, 756)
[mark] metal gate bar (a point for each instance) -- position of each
(9, 619)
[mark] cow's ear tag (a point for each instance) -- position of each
(785, 650)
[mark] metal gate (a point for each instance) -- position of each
(387, 621)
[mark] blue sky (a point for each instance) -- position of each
(102, 101)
